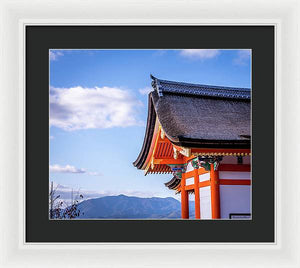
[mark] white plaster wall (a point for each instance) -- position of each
(205, 203)
(204, 177)
(189, 181)
(235, 199)
(230, 175)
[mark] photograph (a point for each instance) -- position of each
(150, 134)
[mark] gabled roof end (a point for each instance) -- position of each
(156, 85)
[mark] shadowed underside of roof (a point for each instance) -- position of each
(174, 183)
(148, 135)
(198, 116)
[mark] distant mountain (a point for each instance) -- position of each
(130, 207)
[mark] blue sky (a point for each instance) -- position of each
(98, 112)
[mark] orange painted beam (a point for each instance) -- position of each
(197, 194)
(200, 185)
(165, 140)
(202, 171)
(232, 167)
(215, 192)
(234, 182)
(187, 159)
(189, 187)
(190, 174)
(178, 147)
(168, 161)
(184, 200)
(204, 183)
(215, 150)
(221, 182)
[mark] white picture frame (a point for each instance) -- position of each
(284, 15)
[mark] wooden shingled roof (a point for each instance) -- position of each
(198, 116)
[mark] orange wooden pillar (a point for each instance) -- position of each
(215, 192)
(184, 199)
(197, 195)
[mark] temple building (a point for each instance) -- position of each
(201, 135)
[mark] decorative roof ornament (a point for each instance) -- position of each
(205, 161)
(186, 152)
(162, 134)
(195, 163)
(175, 154)
(178, 169)
(156, 85)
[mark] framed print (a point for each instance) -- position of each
(97, 100)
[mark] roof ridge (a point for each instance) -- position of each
(163, 86)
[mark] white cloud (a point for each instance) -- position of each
(51, 137)
(145, 91)
(71, 169)
(54, 54)
(243, 57)
(200, 53)
(65, 169)
(89, 108)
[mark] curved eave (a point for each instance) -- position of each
(151, 118)
(179, 141)
(173, 183)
